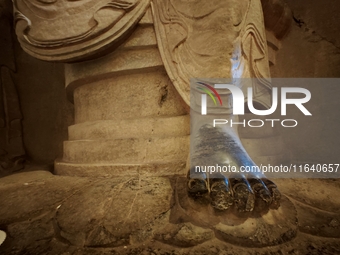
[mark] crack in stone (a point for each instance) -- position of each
(73, 193)
(163, 95)
(57, 229)
(301, 24)
(133, 202)
(117, 192)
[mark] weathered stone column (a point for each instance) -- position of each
(129, 120)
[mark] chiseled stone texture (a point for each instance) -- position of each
(128, 96)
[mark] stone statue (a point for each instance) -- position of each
(128, 70)
(195, 39)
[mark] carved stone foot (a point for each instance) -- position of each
(238, 192)
(230, 189)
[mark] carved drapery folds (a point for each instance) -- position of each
(213, 39)
(196, 38)
(11, 145)
(65, 30)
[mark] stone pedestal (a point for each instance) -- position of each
(129, 119)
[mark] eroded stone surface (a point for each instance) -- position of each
(29, 194)
(113, 210)
(183, 234)
(32, 231)
(319, 193)
(251, 230)
(72, 215)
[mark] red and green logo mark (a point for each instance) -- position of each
(208, 89)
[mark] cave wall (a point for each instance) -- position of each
(311, 50)
(46, 110)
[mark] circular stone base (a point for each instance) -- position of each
(272, 228)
